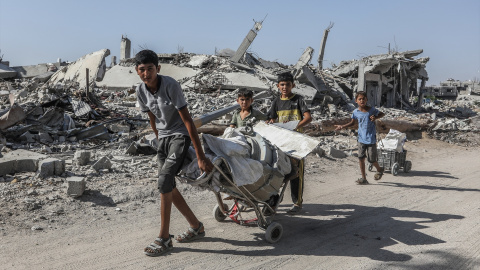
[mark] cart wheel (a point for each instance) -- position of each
(395, 168)
(274, 232)
(370, 167)
(217, 213)
(408, 166)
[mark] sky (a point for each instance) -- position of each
(34, 32)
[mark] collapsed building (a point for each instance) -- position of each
(69, 124)
(61, 103)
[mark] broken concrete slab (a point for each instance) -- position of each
(103, 163)
(32, 71)
(7, 72)
(76, 186)
(51, 167)
(20, 161)
(14, 115)
(76, 71)
(122, 77)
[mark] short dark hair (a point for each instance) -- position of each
(244, 92)
(285, 77)
(360, 93)
(146, 57)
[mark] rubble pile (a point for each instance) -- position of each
(74, 137)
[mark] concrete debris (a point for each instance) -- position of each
(20, 161)
(6, 72)
(82, 157)
(77, 71)
(66, 123)
(335, 153)
(103, 163)
(76, 186)
(50, 167)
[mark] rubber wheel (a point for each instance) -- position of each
(395, 168)
(274, 232)
(217, 213)
(408, 166)
(370, 167)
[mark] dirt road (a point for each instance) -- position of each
(426, 219)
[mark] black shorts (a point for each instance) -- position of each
(368, 150)
(171, 153)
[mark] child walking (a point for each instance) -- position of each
(367, 137)
(291, 107)
(161, 97)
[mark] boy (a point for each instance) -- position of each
(367, 136)
(161, 97)
(291, 107)
(246, 112)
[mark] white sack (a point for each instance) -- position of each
(393, 141)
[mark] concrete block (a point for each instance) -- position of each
(103, 163)
(75, 186)
(20, 161)
(335, 153)
(50, 167)
(81, 157)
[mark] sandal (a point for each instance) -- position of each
(361, 181)
(159, 247)
(379, 174)
(191, 234)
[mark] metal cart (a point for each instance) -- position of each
(393, 161)
(243, 198)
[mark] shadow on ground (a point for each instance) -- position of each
(341, 230)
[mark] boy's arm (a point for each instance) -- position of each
(204, 163)
(378, 116)
(307, 118)
(272, 114)
(152, 122)
(349, 124)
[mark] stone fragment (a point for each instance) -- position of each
(50, 167)
(335, 153)
(75, 186)
(103, 163)
(82, 157)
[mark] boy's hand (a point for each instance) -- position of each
(205, 165)
(373, 118)
(338, 127)
(270, 121)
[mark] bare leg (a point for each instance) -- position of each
(183, 207)
(165, 212)
(361, 161)
(377, 166)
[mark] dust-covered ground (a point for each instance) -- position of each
(428, 218)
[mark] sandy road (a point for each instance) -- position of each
(426, 219)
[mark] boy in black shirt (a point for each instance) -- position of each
(291, 107)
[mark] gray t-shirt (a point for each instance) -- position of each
(164, 104)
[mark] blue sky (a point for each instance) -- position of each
(33, 32)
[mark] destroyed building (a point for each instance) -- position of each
(75, 131)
